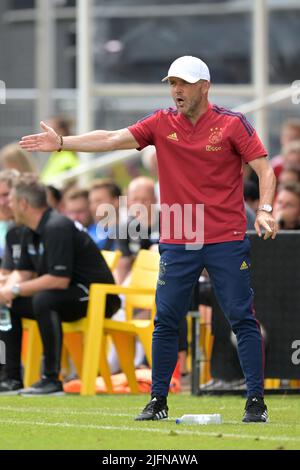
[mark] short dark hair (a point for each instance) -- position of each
(292, 187)
(63, 123)
(30, 188)
(55, 193)
(108, 184)
(78, 194)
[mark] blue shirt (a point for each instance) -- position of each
(101, 236)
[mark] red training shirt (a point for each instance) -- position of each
(202, 164)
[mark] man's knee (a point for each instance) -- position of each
(43, 302)
(238, 310)
(241, 317)
(165, 326)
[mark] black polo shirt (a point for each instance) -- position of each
(12, 251)
(60, 247)
(134, 242)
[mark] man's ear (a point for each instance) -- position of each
(206, 86)
(23, 204)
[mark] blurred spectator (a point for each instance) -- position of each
(289, 176)
(287, 207)
(54, 198)
(7, 178)
(149, 159)
(12, 157)
(77, 207)
(251, 195)
(104, 207)
(140, 197)
(69, 187)
(58, 162)
(291, 156)
(290, 131)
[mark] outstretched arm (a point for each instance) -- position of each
(96, 141)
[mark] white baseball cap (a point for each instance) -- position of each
(188, 68)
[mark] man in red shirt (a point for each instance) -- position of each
(200, 150)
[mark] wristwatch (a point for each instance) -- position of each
(266, 208)
(16, 290)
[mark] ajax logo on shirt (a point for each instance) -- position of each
(214, 139)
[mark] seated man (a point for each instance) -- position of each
(103, 196)
(142, 225)
(76, 207)
(58, 263)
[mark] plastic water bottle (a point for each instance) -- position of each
(199, 419)
(5, 319)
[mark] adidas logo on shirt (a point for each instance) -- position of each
(173, 137)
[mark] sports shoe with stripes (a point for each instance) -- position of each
(255, 411)
(156, 409)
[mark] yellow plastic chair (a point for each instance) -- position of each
(111, 258)
(205, 342)
(295, 383)
(271, 383)
(73, 332)
(32, 355)
(73, 343)
(140, 293)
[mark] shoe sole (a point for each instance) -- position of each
(10, 394)
(255, 421)
(151, 419)
(55, 394)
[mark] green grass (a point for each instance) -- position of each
(106, 422)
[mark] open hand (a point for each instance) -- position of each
(47, 141)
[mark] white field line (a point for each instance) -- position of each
(107, 412)
(14, 422)
(104, 409)
(134, 408)
(68, 411)
(269, 423)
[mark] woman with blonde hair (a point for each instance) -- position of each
(12, 156)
